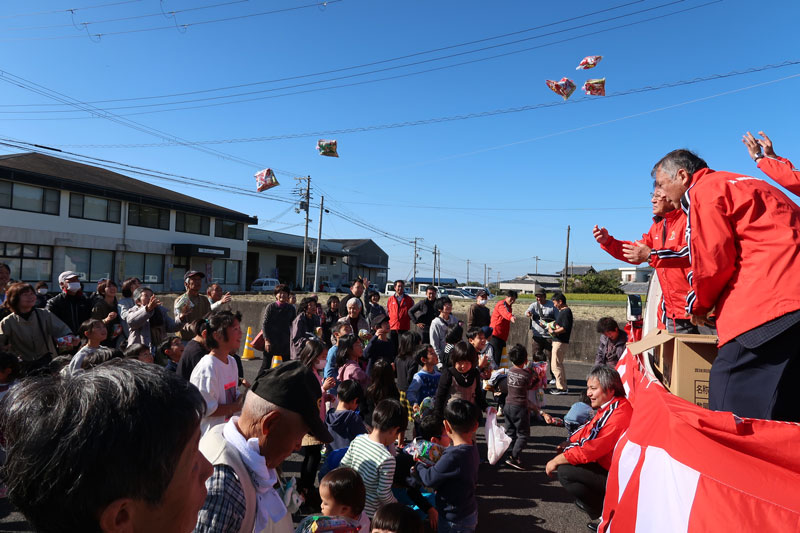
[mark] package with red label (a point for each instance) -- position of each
(425, 452)
(266, 179)
(327, 148)
(596, 87)
(588, 62)
(564, 87)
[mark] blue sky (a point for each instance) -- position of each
(496, 190)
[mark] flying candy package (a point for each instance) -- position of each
(596, 87)
(425, 407)
(564, 87)
(327, 524)
(265, 179)
(327, 148)
(424, 451)
(588, 62)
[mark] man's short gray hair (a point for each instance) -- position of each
(671, 163)
(354, 302)
(257, 407)
(608, 378)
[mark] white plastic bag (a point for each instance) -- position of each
(496, 439)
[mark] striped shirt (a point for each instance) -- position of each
(375, 464)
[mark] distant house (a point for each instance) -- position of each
(528, 283)
(271, 254)
(366, 259)
(635, 273)
(635, 287)
(578, 270)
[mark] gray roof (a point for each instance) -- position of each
(286, 241)
(351, 243)
(634, 287)
(48, 171)
(578, 270)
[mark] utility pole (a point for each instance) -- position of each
(319, 246)
(566, 263)
(537, 263)
(467, 271)
(484, 274)
(433, 279)
(304, 206)
(439, 265)
(414, 274)
(489, 278)
(498, 280)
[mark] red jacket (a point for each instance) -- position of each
(670, 258)
(594, 442)
(744, 246)
(781, 170)
(501, 320)
(398, 314)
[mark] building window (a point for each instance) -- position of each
(333, 261)
(29, 198)
(225, 272)
(148, 216)
(228, 229)
(188, 223)
(93, 208)
(90, 265)
(28, 262)
(147, 267)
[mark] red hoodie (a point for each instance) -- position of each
(781, 170)
(501, 320)
(398, 314)
(594, 442)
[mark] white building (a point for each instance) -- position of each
(58, 215)
(635, 274)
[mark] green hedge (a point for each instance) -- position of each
(585, 297)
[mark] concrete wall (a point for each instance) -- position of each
(583, 343)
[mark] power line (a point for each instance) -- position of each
(71, 10)
(395, 67)
(354, 67)
(452, 118)
(325, 3)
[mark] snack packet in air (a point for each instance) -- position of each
(595, 87)
(588, 62)
(327, 148)
(265, 179)
(564, 87)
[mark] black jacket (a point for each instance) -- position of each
(424, 312)
(277, 328)
(73, 310)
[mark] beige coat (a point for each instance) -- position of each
(24, 337)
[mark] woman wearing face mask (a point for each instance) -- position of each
(478, 315)
(41, 295)
(105, 309)
(313, 355)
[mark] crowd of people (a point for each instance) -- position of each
(119, 414)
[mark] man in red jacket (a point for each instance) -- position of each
(664, 248)
(583, 464)
(776, 167)
(744, 246)
(397, 307)
(502, 317)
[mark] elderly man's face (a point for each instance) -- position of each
(215, 293)
(661, 204)
(194, 283)
(184, 496)
(673, 187)
(353, 311)
(597, 395)
(283, 437)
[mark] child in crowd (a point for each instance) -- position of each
(455, 475)
(443, 306)
(343, 495)
(171, 350)
(426, 380)
(374, 307)
(348, 355)
(216, 375)
(580, 413)
(455, 333)
(406, 365)
(369, 455)
(140, 352)
(92, 333)
(344, 423)
(312, 355)
(461, 380)
(9, 371)
(381, 388)
(396, 518)
(518, 420)
(339, 331)
(379, 347)
(329, 320)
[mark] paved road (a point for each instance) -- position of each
(508, 500)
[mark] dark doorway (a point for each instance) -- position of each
(287, 269)
(252, 269)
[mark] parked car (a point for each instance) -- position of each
(455, 294)
(343, 288)
(474, 291)
(264, 285)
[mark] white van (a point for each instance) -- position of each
(264, 285)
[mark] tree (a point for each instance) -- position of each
(606, 282)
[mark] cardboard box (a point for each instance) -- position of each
(682, 362)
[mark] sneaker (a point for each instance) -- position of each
(557, 392)
(551, 382)
(516, 463)
(499, 412)
(591, 526)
